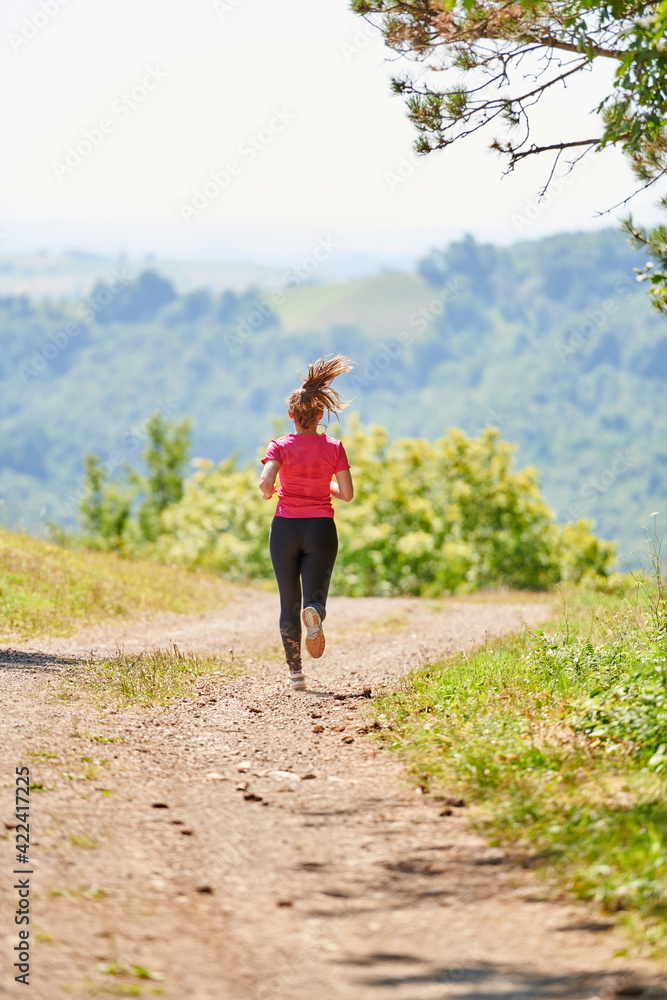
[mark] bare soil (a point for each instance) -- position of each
(253, 842)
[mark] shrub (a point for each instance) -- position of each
(428, 517)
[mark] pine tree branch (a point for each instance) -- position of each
(549, 42)
(516, 155)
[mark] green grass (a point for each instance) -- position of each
(554, 739)
(151, 676)
(45, 589)
(381, 305)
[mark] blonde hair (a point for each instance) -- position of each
(315, 394)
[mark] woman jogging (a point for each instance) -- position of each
(303, 542)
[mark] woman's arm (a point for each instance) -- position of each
(342, 487)
(267, 480)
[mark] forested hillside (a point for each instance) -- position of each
(552, 341)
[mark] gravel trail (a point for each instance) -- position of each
(253, 842)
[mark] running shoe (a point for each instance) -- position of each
(314, 634)
(297, 681)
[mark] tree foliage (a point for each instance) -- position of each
(428, 518)
(552, 340)
(165, 456)
(490, 62)
(222, 522)
(649, 165)
(104, 510)
(137, 301)
(124, 514)
(453, 514)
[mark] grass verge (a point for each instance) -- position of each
(151, 677)
(47, 589)
(559, 741)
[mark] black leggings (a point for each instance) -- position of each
(303, 550)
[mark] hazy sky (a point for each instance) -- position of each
(115, 113)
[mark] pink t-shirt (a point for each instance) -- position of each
(307, 463)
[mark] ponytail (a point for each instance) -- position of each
(316, 393)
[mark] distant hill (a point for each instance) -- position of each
(552, 340)
(72, 274)
(380, 306)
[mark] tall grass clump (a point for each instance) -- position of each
(558, 739)
(152, 676)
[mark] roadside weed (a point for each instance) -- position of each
(559, 741)
(151, 676)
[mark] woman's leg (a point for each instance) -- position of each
(320, 547)
(285, 550)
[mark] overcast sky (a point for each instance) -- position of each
(114, 114)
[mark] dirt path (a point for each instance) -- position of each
(254, 843)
